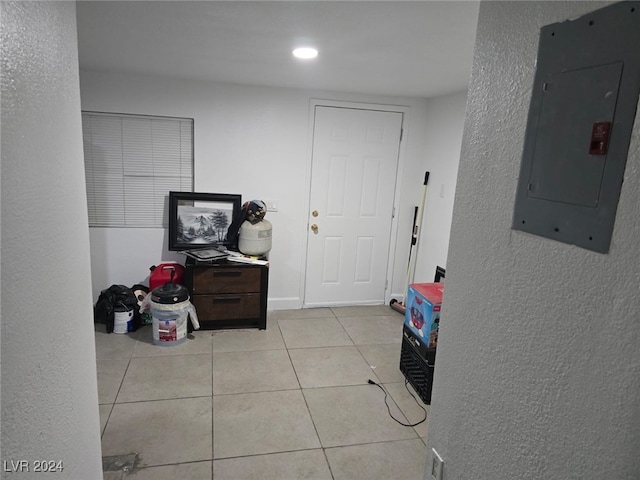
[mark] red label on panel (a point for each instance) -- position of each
(599, 138)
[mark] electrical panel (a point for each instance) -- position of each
(580, 122)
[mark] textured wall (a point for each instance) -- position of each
(538, 368)
(49, 390)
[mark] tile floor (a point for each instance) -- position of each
(288, 402)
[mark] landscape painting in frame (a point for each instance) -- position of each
(200, 220)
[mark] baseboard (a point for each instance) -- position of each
(399, 297)
(292, 303)
(295, 303)
(341, 304)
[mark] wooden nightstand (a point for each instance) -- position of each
(228, 294)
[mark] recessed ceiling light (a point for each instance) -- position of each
(305, 52)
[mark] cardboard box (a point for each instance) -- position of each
(422, 311)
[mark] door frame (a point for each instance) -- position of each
(404, 110)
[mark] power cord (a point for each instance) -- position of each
(371, 382)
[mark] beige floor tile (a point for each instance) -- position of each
(307, 464)
(110, 375)
(261, 371)
(248, 340)
(113, 475)
(409, 406)
(353, 415)
(330, 366)
(187, 471)
(161, 432)
(266, 422)
(362, 311)
(404, 459)
(314, 332)
(113, 345)
(385, 359)
(298, 313)
(196, 342)
(374, 330)
(173, 376)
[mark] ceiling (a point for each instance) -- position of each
(415, 48)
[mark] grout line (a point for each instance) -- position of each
(323, 346)
(113, 404)
(163, 399)
(104, 429)
(315, 428)
(268, 453)
(375, 442)
(326, 459)
(170, 355)
(122, 382)
(291, 363)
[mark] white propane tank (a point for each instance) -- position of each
(255, 239)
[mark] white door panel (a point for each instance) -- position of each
(354, 165)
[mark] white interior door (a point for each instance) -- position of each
(353, 176)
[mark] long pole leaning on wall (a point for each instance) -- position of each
(413, 248)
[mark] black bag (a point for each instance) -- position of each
(109, 299)
(253, 212)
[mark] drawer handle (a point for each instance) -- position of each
(226, 300)
(227, 273)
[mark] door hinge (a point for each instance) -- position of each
(386, 284)
(393, 212)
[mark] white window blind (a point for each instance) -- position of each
(131, 164)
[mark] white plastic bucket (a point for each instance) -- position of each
(122, 320)
(169, 322)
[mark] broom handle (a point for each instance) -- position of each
(416, 231)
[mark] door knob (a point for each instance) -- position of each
(314, 227)
(314, 213)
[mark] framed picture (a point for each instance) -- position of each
(200, 220)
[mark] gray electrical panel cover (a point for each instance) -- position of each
(583, 105)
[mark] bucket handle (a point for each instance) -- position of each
(125, 307)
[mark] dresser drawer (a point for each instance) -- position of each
(227, 294)
(227, 307)
(226, 280)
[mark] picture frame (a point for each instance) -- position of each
(200, 220)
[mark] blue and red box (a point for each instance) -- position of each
(422, 311)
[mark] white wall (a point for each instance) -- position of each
(252, 141)
(443, 139)
(538, 367)
(49, 387)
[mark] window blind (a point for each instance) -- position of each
(132, 162)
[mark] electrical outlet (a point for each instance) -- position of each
(436, 466)
(272, 206)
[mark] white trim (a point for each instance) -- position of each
(343, 304)
(290, 303)
(404, 110)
